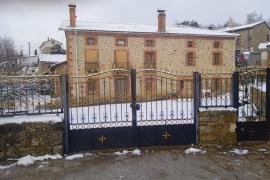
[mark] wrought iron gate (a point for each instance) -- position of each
(122, 108)
(253, 108)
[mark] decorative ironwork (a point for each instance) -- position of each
(166, 135)
(102, 139)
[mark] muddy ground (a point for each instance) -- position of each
(154, 163)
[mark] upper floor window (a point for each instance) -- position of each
(150, 60)
(121, 41)
(190, 44)
(190, 59)
(149, 42)
(217, 59)
(238, 41)
(216, 44)
(91, 41)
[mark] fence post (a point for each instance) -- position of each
(65, 104)
(197, 101)
(235, 89)
(268, 96)
(134, 105)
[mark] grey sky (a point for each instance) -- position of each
(35, 20)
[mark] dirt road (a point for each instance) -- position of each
(154, 163)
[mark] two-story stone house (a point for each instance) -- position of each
(251, 35)
(97, 47)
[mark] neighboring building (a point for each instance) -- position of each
(251, 35)
(45, 61)
(51, 46)
(94, 47)
(251, 59)
(265, 54)
(28, 61)
(59, 68)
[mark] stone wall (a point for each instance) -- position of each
(35, 138)
(218, 126)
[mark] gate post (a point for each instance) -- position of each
(197, 101)
(235, 89)
(65, 104)
(134, 105)
(268, 97)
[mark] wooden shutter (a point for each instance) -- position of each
(121, 56)
(91, 55)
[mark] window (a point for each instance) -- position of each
(238, 41)
(121, 59)
(216, 59)
(267, 37)
(121, 41)
(91, 60)
(149, 84)
(149, 42)
(216, 44)
(190, 59)
(92, 86)
(91, 41)
(121, 89)
(149, 61)
(180, 88)
(190, 44)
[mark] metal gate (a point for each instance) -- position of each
(122, 108)
(253, 108)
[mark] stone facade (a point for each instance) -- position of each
(17, 140)
(218, 127)
(250, 38)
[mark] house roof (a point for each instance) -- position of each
(243, 27)
(142, 29)
(263, 45)
(52, 58)
(51, 39)
(52, 67)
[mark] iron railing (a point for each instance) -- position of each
(92, 67)
(25, 95)
(121, 65)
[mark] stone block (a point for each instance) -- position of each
(208, 137)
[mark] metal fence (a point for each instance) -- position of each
(216, 90)
(25, 95)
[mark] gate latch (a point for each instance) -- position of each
(136, 106)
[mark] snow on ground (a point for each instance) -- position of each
(28, 160)
(136, 152)
(7, 166)
(239, 151)
(33, 118)
(218, 109)
(262, 150)
(194, 151)
(175, 111)
(74, 156)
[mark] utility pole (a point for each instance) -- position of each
(29, 51)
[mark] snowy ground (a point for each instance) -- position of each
(175, 162)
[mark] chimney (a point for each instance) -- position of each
(72, 15)
(161, 20)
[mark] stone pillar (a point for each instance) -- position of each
(218, 126)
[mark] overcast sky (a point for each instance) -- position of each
(35, 20)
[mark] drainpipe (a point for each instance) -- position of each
(77, 66)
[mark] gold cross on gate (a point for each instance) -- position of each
(252, 131)
(102, 139)
(166, 135)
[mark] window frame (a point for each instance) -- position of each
(149, 39)
(192, 42)
(193, 58)
(91, 37)
(125, 39)
(214, 60)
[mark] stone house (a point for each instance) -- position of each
(265, 54)
(45, 61)
(47, 46)
(251, 35)
(97, 47)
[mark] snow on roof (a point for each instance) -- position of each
(247, 26)
(136, 28)
(263, 45)
(53, 58)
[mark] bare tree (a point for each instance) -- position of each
(253, 17)
(192, 23)
(8, 56)
(231, 23)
